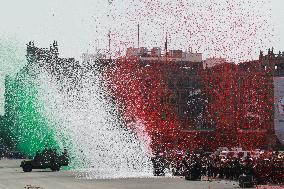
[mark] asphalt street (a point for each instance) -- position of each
(12, 177)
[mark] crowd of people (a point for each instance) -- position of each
(266, 168)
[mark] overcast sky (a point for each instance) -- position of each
(234, 29)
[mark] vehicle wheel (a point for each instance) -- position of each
(55, 167)
(27, 168)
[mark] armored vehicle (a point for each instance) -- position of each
(47, 159)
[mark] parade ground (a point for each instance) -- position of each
(12, 177)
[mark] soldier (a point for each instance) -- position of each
(216, 168)
(177, 167)
(65, 153)
(196, 167)
(222, 169)
(227, 168)
(186, 162)
(37, 156)
(204, 166)
(49, 152)
(236, 168)
(158, 164)
(248, 166)
(45, 153)
(65, 157)
(53, 154)
(209, 168)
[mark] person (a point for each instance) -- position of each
(226, 168)
(209, 168)
(222, 168)
(217, 167)
(45, 153)
(49, 152)
(53, 154)
(177, 167)
(37, 156)
(204, 166)
(236, 168)
(192, 165)
(65, 153)
(248, 166)
(186, 163)
(158, 164)
(45, 149)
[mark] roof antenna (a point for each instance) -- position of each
(166, 43)
(108, 15)
(138, 36)
(109, 45)
(97, 39)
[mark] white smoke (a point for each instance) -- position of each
(88, 123)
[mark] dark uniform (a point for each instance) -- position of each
(158, 165)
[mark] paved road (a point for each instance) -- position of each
(12, 177)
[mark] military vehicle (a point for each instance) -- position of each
(47, 159)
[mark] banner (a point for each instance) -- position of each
(279, 107)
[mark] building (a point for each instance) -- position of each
(156, 54)
(274, 65)
(22, 118)
(211, 62)
(223, 104)
(168, 96)
(182, 104)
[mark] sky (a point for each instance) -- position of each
(234, 29)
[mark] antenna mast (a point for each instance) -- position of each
(109, 45)
(108, 15)
(166, 44)
(138, 36)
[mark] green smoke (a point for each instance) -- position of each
(29, 129)
(23, 127)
